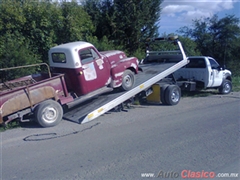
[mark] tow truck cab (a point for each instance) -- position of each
(207, 73)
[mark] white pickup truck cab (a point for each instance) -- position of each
(206, 73)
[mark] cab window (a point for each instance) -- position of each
(59, 58)
(196, 63)
(88, 55)
(213, 63)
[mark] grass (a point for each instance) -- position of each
(236, 83)
(199, 93)
(10, 125)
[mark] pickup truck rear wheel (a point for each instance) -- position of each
(172, 95)
(49, 113)
(128, 80)
(226, 87)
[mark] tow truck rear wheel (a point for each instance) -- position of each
(226, 87)
(163, 92)
(128, 80)
(172, 95)
(49, 113)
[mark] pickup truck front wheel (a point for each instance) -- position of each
(128, 80)
(226, 87)
(49, 113)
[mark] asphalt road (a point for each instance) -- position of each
(199, 135)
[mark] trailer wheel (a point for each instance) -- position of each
(172, 95)
(226, 87)
(163, 92)
(49, 113)
(128, 80)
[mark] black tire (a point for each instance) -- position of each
(226, 87)
(48, 113)
(162, 93)
(172, 95)
(128, 80)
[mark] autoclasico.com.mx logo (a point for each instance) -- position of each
(189, 174)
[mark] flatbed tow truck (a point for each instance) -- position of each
(151, 75)
(49, 113)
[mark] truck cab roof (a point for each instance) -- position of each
(72, 46)
(67, 55)
(195, 57)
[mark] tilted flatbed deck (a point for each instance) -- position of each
(152, 73)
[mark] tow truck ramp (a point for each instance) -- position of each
(152, 73)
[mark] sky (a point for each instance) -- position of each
(179, 13)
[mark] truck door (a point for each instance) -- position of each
(95, 71)
(215, 79)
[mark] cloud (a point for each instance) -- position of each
(182, 12)
(171, 10)
(208, 7)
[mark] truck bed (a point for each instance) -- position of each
(25, 92)
(23, 82)
(151, 74)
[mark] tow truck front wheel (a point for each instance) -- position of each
(49, 113)
(128, 80)
(226, 87)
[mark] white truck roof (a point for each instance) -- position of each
(72, 45)
(70, 50)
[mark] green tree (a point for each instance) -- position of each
(218, 38)
(40, 26)
(102, 16)
(76, 23)
(11, 17)
(125, 22)
(190, 46)
(15, 49)
(16, 52)
(136, 20)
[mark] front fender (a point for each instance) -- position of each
(227, 75)
(118, 69)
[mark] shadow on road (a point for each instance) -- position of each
(48, 136)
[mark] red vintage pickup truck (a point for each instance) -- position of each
(78, 72)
